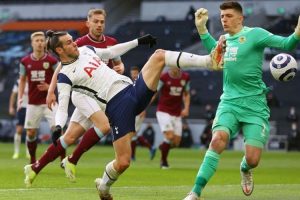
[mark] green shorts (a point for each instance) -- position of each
(248, 114)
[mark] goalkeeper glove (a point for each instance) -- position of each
(147, 40)
(201, 17)
(56, 134)
(217, 54)
(297, 29)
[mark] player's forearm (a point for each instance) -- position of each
(118, 49)
(187, 101)
(12, 100)
(61, 116)
(53, 83)
(21, 88)
(208, 41)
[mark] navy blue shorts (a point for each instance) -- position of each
(122, 109)
(21, 116)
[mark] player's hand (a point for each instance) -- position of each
(119, 69)
(201, 17)
(184, 113)
(12, 111)
(297, 29)
(50, 99)
(43, 86)
(217, 54)
(20, 101)
(56, 134)
(147, 40)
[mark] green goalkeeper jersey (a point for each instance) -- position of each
(242, 73)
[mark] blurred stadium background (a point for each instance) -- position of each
(171, 21)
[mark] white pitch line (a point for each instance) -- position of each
(138, 187)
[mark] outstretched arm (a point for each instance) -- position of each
(122, 48)
(267, 39)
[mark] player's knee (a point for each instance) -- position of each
(218, 143)
(31, 133)
(159, 55)
(105, 129)
(123, 164)
(69, 139)
(252, 161)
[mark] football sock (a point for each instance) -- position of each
(206, 171)
(89, 139)
(183, 59)
(164, 148)
(110, 175)
(244, 166)
(50, 154)
(133, 147)
(32, 145)
(17, 142)
(142, 140)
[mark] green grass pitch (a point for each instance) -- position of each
(276, 178)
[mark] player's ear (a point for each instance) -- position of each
(87, 23)
(59, 50)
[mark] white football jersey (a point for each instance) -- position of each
(90, 76)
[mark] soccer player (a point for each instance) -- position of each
(96, 25)
(20, 114)
(174, 91)
(84, 72)
(243, 103)
(37, 69)
(134, 72)
(81, 120)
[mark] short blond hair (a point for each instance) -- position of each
(94, 11)
(39, 33)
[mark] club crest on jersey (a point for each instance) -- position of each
(46, 65)
(242, 39)
(182, 82)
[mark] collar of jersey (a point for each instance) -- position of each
(91, 38)
(242, 32)
(68, 63)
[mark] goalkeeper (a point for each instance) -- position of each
(243, 102)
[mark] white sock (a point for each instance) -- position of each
(17, 142)
(134, 138)
(183, 59)
(110, 175)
